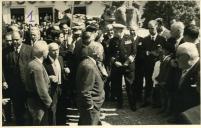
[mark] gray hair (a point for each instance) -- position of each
(179, 25)
(52, 45)
(39, 48)
(189, 49)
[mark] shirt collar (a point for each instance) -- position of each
(19, 47)
(135, 37)
(39, 60)
(92, 60)
(178, 40)
(51, 59)
(153, 36)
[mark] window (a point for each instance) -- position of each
(17, 15)
(45, 15)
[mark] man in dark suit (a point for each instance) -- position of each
(15, 63)
(90, 88)
(55, 69)
(188, 93)
(150, 44)
(39, 100)
(134, 67)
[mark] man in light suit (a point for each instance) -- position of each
(38, 100)
(54, 66)
(90, 87)
(15, 61)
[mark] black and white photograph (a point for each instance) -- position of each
(100, 63)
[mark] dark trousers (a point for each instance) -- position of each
(107, 89)
(18, 99)
(149, 67)
(116, 85)
(89, 117)
(138, 82)
(7, 107)
(61, 108)
(129, 78)
(55, 93)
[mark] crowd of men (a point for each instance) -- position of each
(49, 68)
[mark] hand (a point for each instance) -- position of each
(118, 64)
(147, 53)
(173, 63)
(5, 101)
(5, 85)
(112, 60)
(127, 63)
(154, 53)
(53, 78)
(67, 70)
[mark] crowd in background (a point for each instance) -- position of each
(49, 67)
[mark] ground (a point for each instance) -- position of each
(112, 116)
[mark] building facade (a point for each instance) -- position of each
(35, 12)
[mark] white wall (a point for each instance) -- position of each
(95, 9)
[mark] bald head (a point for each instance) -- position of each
(187, 54)
(177, 29)
(40, 49)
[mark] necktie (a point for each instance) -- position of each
(152, 38)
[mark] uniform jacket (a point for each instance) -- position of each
(116, 49)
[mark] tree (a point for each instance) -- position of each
(184, 11)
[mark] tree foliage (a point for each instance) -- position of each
(184, 11)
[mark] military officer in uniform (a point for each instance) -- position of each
(117, 57)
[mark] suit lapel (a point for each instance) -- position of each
(189, 74)
(49, 66)
(61, 62)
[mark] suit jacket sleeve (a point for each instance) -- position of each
(86, 83)
(41, 87)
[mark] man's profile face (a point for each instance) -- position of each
(159, 28)
(61, 37)
(45, 53)
(9, 39)
(182, 60)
